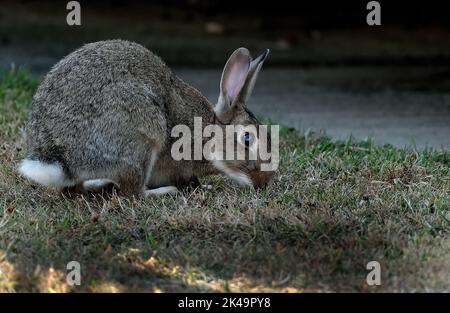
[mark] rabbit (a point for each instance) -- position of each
(103, 115)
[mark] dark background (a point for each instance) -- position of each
(202, 33)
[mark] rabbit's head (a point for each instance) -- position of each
(238, 79)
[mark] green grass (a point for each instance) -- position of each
(333, 207)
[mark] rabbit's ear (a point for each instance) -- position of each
(238, 79)
(235, 73)
(233, 79)
(253, 71)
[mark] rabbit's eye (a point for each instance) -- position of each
(247, 138)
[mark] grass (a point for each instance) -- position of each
(333, 207)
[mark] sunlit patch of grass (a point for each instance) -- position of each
(52, 281)
(7, 274)
(333, 207)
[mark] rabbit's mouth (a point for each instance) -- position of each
(260, 179)
(256, 179)
(240, 178)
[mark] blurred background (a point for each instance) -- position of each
(328, 70)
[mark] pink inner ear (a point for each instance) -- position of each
(236, 75)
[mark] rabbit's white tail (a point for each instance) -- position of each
(46, 174)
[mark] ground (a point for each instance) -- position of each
(333, 207)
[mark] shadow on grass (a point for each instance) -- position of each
(137, 245)
(42, 236)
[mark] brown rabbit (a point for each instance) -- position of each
(104, 115)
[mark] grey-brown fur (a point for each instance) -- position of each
(107, 109)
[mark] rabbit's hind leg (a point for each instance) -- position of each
(167, 190)
(99, 185)
(92, 186)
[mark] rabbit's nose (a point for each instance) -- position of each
(261, 186)
(260, 179)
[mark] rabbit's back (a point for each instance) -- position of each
(100, 106)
